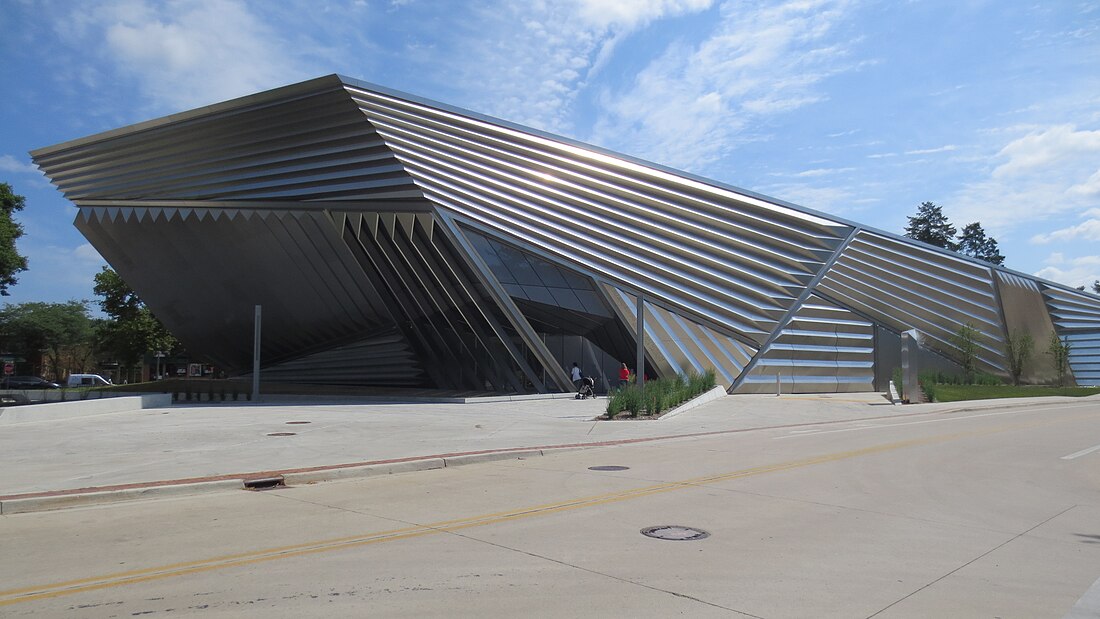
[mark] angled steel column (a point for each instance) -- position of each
(793, 310)
(508, 308)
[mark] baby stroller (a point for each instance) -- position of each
(585, 390)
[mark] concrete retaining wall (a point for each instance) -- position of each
(81, 408)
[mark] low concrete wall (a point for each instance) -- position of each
(717, 393)
(82, 408)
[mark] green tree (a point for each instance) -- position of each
(132, 330)
(1058, 349)
(931, 226)
(1018, 347)
(61, 332)
(965, 340)
(974, 242)
(11, 262)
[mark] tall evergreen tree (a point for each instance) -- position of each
(974, 242)
(11, 262)
(930, 225)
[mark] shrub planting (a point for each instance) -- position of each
(658, 395)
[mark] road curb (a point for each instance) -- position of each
(366, 470)
(39, 502)
(25, 505)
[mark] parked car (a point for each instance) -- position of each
(26, 382)
(87, 380)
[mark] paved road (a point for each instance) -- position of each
(987, 513)
(208, 440)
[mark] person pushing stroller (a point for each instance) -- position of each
(583, 384)
(586, 390)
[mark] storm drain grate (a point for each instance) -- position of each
(675, 532)
(610, 467)
(282, 433)
(265, 483)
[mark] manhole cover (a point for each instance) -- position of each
(608, 468)
(281, 433)
(675, 532)
(294, 423)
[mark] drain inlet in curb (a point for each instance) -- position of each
(609, 467)
(264, 483)
(282, 433)
(292, 423)
(675, 532)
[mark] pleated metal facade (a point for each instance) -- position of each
(397, 241)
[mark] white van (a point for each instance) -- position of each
(87, 380)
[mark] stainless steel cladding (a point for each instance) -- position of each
(398, 241)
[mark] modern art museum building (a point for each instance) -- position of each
(396, 241)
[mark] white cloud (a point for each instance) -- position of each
(186, 54)
(1044, 174)
(1088, 188)
(926, 151)
(688, 107)
(11, 164)
(823, 172)
(88, 254)
(629, 15)
(530, 59)
(1042, 150)
(1072, 272)
(1088, 230)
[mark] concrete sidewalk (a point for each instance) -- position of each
(99, 457)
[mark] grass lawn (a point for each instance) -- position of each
(957, 393)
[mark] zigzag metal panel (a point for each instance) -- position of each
(202, 270)
(824, 348)
(730, 258)
(308, 147)
(1072, 311)
(904, 286)
(1084, 357)
(679, 346)
(1077, 318)
(436, 303)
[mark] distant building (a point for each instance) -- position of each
(397, 241)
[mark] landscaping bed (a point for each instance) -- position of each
(958, 393)
(657, 397)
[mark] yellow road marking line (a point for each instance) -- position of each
(39, 592)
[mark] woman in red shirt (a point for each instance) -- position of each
(624, 375)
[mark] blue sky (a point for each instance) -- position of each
(856, 108)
